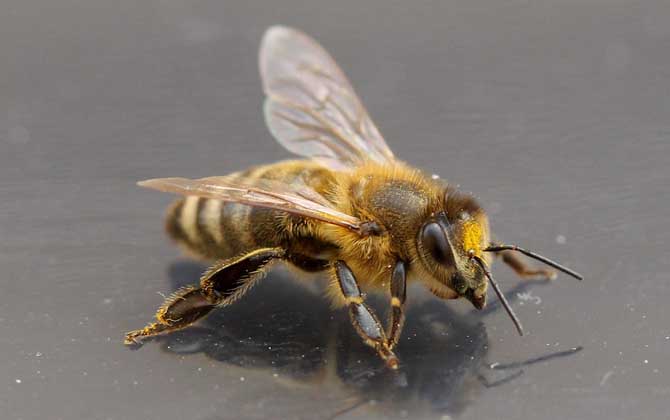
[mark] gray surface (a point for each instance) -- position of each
(556, 114)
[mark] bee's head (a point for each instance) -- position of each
(449, 243)
(454, 249)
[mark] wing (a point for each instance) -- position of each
(311, 108)
(295, 199)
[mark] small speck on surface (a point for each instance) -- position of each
(242, 378)
(606, 377)
(18, 381)
(560, 239)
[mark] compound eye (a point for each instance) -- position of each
(434, 241)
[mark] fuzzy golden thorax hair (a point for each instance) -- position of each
(402, 200)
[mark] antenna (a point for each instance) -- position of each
(501, 297)
(566, 270)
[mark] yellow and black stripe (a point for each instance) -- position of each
(212, 229)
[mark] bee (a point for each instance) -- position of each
(349, 208)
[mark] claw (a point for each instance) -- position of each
(392, 362)
(132, 340)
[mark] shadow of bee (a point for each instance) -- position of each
(292, 332)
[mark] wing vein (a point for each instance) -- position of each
(302, 79)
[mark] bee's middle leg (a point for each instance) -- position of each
(398, 297)
(221, 285)
(365, 322)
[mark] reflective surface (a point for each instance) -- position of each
(554, 113)
(303, 342)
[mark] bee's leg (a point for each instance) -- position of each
(363, 319)
(221, 285)
(398, 297)
(522, 269)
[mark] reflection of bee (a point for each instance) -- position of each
(311, 349)
(351, 209)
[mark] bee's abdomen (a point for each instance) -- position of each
(209, 228)
(213, 229)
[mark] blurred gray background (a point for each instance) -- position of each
(555, 113)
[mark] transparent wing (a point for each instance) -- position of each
(311, 108)
(296, 199)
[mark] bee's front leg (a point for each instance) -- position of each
(365, 322)
(221, 285)
(398, 297)
(522, 269)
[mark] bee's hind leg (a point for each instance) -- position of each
(221, 285)
(363, 319)
(522, 269)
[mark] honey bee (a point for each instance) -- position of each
(350, 208)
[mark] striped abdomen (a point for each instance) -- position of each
(208, 228)
(213, 229)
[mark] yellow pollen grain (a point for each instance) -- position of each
(395, 301)
(472, 236)
(354, 299)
